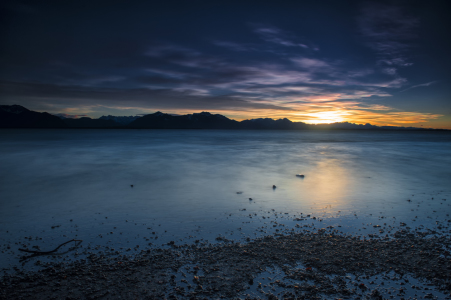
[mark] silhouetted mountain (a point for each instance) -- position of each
(123, 120)
(268, 123)
(86, 122)
(203, 120)
(344, 125)
(16, 116)
(367, 126)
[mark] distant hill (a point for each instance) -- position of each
(16, 116)
(268, 123)
(203, 120)
(86, 122)
(123, 120)
(367, 126)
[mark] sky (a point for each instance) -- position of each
(377, 62)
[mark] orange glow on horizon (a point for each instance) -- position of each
(383, 118)
(311, 114)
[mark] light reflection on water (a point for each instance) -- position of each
(184, 179)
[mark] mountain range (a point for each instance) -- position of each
(16, 116)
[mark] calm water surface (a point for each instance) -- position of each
(186, 183)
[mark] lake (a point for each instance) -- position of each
(191, 185)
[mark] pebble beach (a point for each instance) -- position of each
(293, 263)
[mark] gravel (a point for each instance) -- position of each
(317, 264)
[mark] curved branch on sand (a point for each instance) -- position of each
(48, 252)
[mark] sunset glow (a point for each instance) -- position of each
(325, 117)
(378, 71)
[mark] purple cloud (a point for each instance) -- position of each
(277, 36)
(389, 71)
(420, 85)
(312, 64)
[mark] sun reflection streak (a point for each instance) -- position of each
(329, 184)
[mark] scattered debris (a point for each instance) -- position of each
(332, 265)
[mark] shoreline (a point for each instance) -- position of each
(332, 265)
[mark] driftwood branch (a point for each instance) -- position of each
(48, 252)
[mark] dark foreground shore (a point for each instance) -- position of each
(309, 265)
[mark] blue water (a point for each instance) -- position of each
(185, 183)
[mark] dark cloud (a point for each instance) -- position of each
(236, 46)
(67, 96)
(156, 80)
(389, 30)
(183, 56)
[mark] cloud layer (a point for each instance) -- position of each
(250, 69)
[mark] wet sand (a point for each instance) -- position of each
(312, 264)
